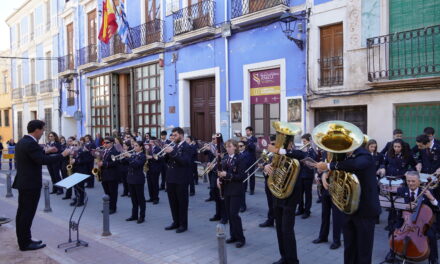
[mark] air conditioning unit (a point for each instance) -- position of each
(182, 25)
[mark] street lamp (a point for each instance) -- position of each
(289, 23)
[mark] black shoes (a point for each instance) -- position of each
(140, 220)
(59, 192)
(223, 221)
(319, 240)
(305, 215)
(243, 209)
(251, 192)
(36, 241)
(112, 212)
(66, 198)
(53, 192)
(73, 203)
(335, 245)
(155, 201)
(181, 229)
(131, 218)
(231, 240)
(240, 244)
(149, 200)
(209, 199)
(124, 194)
(281, 261)
(171, 227)
(298, 212)
(33, 246)
(215, 218)
(4, 220)
(267, 223)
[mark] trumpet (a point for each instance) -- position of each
(210, 167)
(162, 152)
(121, 156)
(205, 147)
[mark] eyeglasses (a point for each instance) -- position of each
(75, 145)
(107, 142)
(240, 146)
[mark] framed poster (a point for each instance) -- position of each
(294, 112)
(236, 112)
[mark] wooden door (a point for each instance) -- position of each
(331, 61)
(202, 108)
(262, 116)
(91, 36)
(70, 45)
(356, 115)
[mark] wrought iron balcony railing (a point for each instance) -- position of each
(46, 86)
(147, 33)
(244, 7)
(66, 63)
(402, 55)
(17, 93)
(87, 55)
(194, 17)
(115, 46)
(30, 90)
(332, 71)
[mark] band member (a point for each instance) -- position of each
(251, 148)
(154, 168)
(270, 214)
(247, 158)
(136, 182)
(398, 160)
(397, 134)
(109, 173)
(64, 163)
(81, 164)
(284, 209)
(178, 178)
(147, 138)
(195, 175)
(163, 172)
(54, 147)
(306, 178)
(98, 140)
(90, 144)
(123, 169)
(29, 181)
(358, 227)
(377, 157)
(429, 160)
(231, 179)
(409, 193)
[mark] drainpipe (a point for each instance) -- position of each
(227, 69)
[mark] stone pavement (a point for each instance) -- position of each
(150, 243)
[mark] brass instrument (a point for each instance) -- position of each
(69, 167)
(122, 155)
(209, 167)
(96, 171)
(285, 169)
(162, 152)
(339, 138)
(205, 147)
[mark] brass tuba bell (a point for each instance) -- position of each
(339, 138)
(285, 169)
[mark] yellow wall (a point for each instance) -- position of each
(5, 99)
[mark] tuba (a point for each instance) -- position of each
(285, 169)
(339, 138)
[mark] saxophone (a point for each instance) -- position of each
(96, 171)
(339, 138)
(69, 167)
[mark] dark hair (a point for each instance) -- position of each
(111, 139)
(34, 125)
(397, 131)
(250, 128)
(153, 138)
(163, 133)
(273, 137)
(72, 138)
(128, 144)
(429, 131)
(423, 138)
(179, 130)
(141, 144)
(307, 137)
(405, 151)
(371, 142)
(191, 138)
(89, 137)
(57, 139)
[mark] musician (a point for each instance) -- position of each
(81, 164)
(109, 173)
(123, 169)
(358, 228)
(195, 176)
(284, 209)
(89, 145)
(163, 172)
(98, 140)
(54, 147)
(429, 160)
(64, 163)
(397, 134)
(136, 181)
(398, 160)
(251, 148)
(377, 157)
(178, 179)
(147, 138)
(270, 214)
(154, 168)
(410, 193)
(306, 178)
(248, 160)
(231, 179)
(430, 132)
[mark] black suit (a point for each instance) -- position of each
(306, 177)
(29, 158)
(251, 147)
(81, 165)
(164, 167)
(359, 227)
(178, 177)
(154, 168)
(110, 177)
(136, 183)
(55, 168)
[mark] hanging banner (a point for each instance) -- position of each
(265, 86)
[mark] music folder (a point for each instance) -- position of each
(72, 180)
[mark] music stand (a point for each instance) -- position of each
(67, 183)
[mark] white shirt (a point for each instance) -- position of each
(416, 193)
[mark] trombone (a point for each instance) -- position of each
(162, 153)
(205, 147)
(121, 156)
(210, 167)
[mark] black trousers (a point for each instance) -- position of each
(64, 175)
(270, 214)
(285, 222)
(163, 175)
(27, 206)
(178, 199)
(358, 239)
(195, 173)
(153, 185)
(194, 179)
(111, 189)
(125, 189)
(91, 180)
(137, 200)
(328, 208)
(305, 203)
(54, 172)
(79, 192)
(232, 205)
(251, 181)
(220, 210)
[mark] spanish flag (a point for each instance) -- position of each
(109, 26)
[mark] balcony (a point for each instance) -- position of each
(88, 58)
(194, 22)
(46, 86)
(245, 12)
(147, 37)
(66, 65)
(332, 71)
(30, 90)
(405, 59)
(17, 93)
(114, 51)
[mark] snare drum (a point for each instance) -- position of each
(424, 178)
(384, 185)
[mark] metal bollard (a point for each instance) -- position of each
(106, 216)
(47, 208)
(221, 238)
(8, 185)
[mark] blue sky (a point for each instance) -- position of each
(6, 9)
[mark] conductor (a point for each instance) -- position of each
(28, 181)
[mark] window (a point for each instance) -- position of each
(48, 65)
(34, 115)
(100, 104)
(48, 120)
(6, 114)
(69, 30)
(147, 100)
(19, 77)
(32, 71)
(20, 124)
(1, 119)
(152, 10)
(70, 94)
(331, 61)
(91, 27)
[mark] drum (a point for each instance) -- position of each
(385, 187)
(425, 178)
